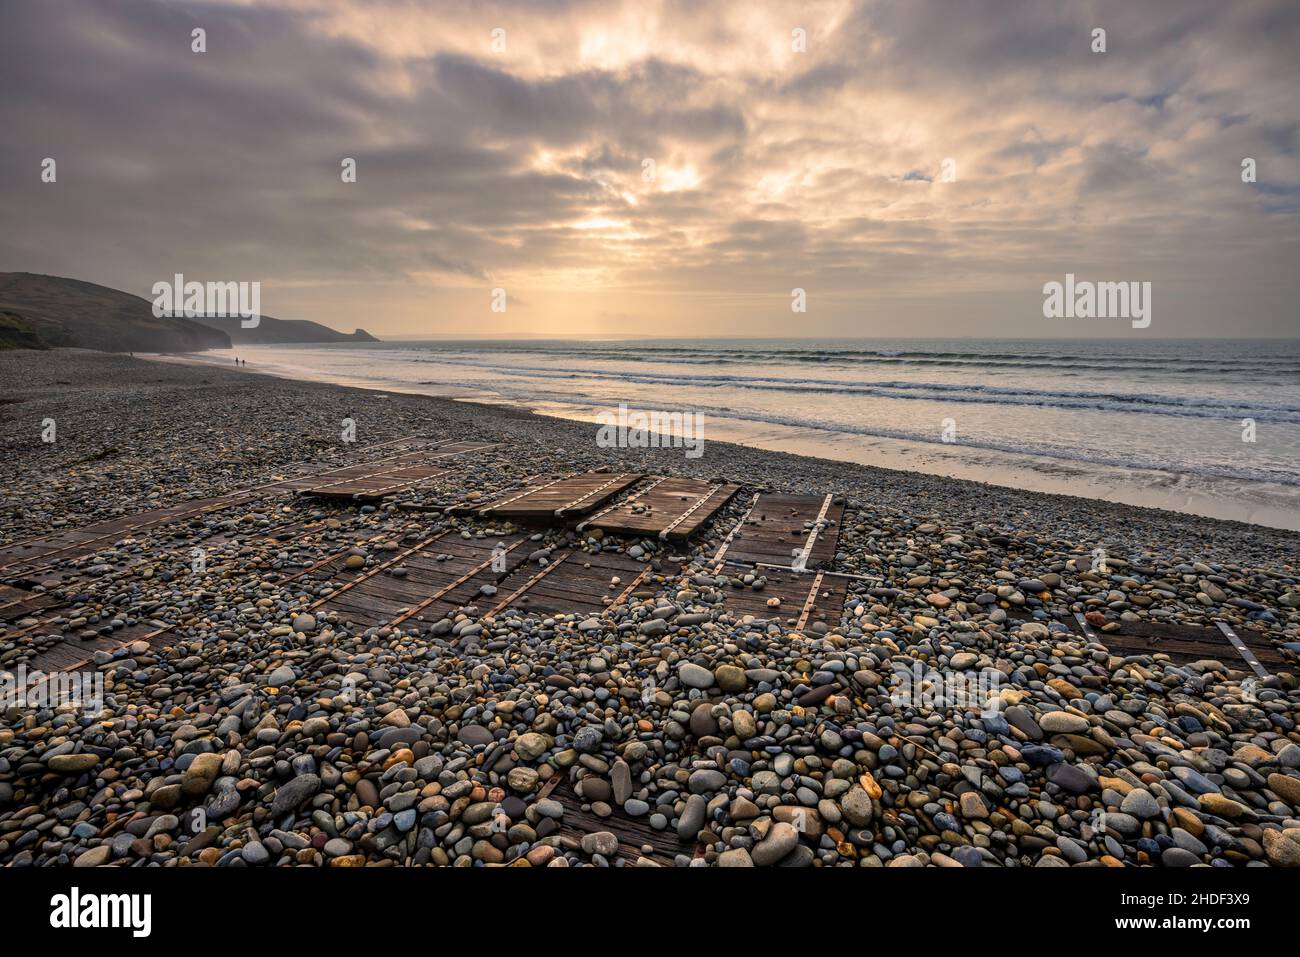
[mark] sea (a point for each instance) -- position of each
(1208, 427)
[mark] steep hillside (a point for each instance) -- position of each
(41, 312)
(46, 311)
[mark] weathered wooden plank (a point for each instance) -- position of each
(1184, 643)
(806, 601)
(25, 557)
(557, 497)
(633, 833)
(799, 530)
(499, 562)
(668, 507)
(393, 476)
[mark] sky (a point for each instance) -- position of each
(665, 168)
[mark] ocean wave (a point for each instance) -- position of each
(1278, 363)
(1047, 450)
(1142, 403)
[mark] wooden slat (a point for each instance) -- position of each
(394, 476)
(632, 832)
(555, 563)
(774, 532)
(805, 600)
(689, 520)
(671, 508)
(559, 497)
(371, 572)
(808, 604)
(17, 558)
(1183, 643)
(720, 555)
(447, 589)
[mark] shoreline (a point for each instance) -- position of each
(1139, 488)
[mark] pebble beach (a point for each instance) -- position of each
(666, 732)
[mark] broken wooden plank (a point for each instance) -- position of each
(633, 833)
(28, 557)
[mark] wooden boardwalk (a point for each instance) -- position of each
(57, 647)
(572, 583)
(811, 603)
(633, 833)
(555, 497)
(17, 603)
(21, 559)
(667, 507)
(61, 649)
(1187, 643)
(798, 531)
(441, 572)
(377, 480)
(25, 558)
(446, 573)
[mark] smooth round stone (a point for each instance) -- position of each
(587, 740)
(1140, 803)
(474, 735)
(337, 847)
(1178, 857)
(1061, 722)
(695, 676)
(706, 780)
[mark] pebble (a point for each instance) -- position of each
(307, 739)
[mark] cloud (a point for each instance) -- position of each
(673, 159)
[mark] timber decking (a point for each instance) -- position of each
(61, 650)
(572, 583)
(1187, 643)
(28, 557)
(556, 497)
(372, 481)
(446, 573)
(25, 557)
(800, 531)
(667, 507)
(811, 603)
(442, 574)
(16, 604)
(633, 833)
